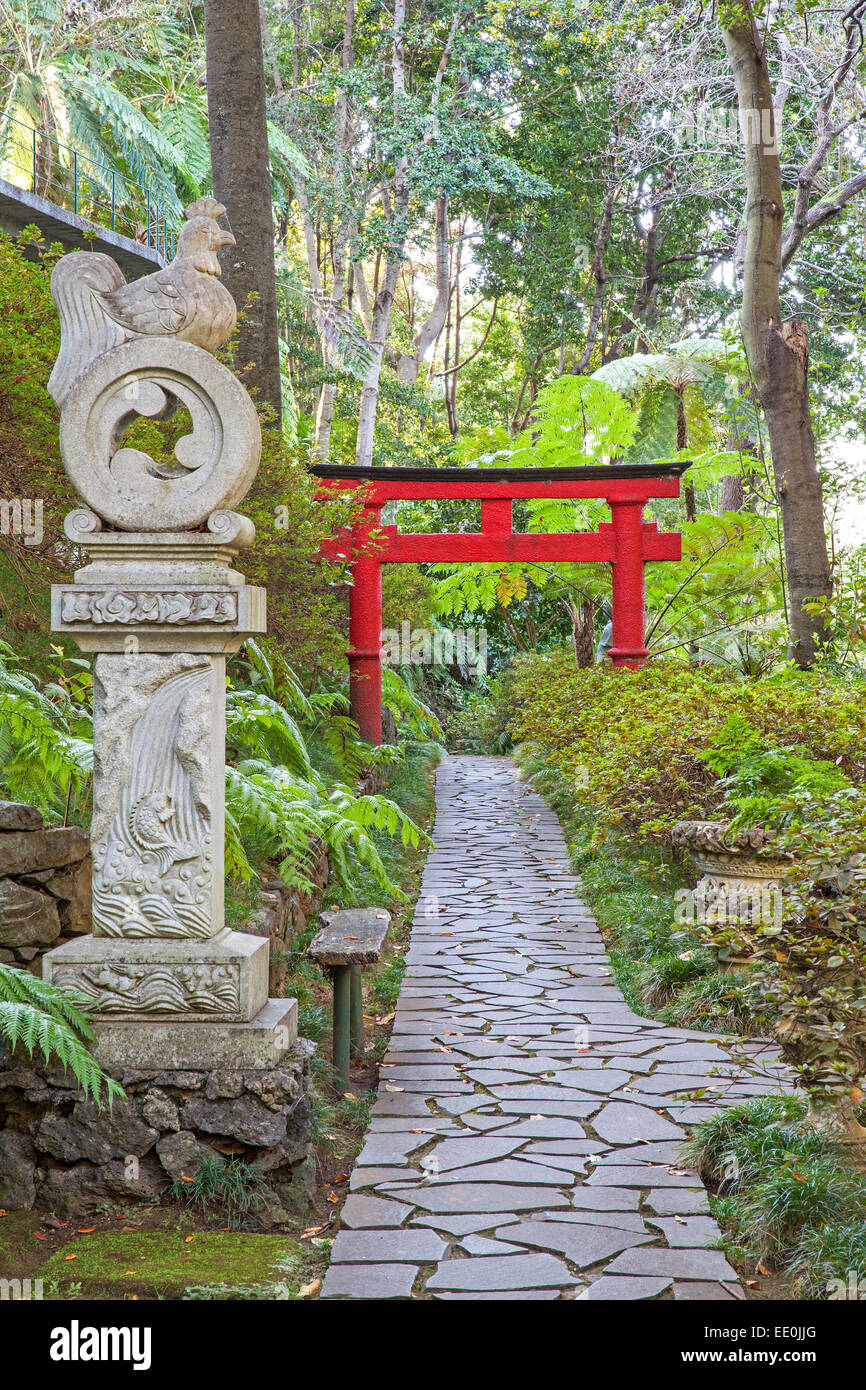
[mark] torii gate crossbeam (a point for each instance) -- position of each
(627, 542)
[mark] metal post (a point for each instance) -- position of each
(147, 237)
(365, 633)
(342, 1012)
(35, 189)
(75, 181)
(113, 201)
(628, 648)
(357, 1011)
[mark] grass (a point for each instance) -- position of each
(174, 1260)
(662, 967)
(787, 1201)
(228, 1184)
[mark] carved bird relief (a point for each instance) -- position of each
(98, 310)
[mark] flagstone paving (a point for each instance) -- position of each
(525, 1137)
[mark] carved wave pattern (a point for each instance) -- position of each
(149, 989)
(152, 871)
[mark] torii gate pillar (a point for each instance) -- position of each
(365, 631)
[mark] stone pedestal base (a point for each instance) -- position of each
(262, 1042)
(133, 980)
(59, 1154)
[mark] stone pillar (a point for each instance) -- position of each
(161, 605)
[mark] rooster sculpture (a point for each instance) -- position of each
(98, 310)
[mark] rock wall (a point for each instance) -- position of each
(44, 885)
(283, 916)
(60, 1155)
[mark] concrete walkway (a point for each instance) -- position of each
(525, 1137)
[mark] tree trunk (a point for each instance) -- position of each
(777, 352)
(582, 631)
(242, 181)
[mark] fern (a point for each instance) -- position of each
(35, 1014)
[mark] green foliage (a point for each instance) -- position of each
(575, 420)
(289, 787)
(35, 1014)
(404, 704)
(633, 743)
(786, 1195)
(765, 785)
(46, 749)
(230, 1184)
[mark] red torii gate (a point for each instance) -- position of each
(627, 542)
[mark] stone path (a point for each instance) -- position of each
(524, 1140)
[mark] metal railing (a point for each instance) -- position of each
(39, 163)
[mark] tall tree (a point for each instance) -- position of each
(777, 349)
(242, 181)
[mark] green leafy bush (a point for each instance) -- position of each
(633, 744)
(765, 785)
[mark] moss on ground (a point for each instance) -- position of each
(168, 1264)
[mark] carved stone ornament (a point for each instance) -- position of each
(144, 349)
(141, 606)
(142, 990)
(213, 467)
(152, 834)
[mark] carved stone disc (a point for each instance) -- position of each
(213, 467)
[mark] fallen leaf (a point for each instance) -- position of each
(70, 1257)
(86, 1230)
(40, 1235)
(307, 1290)
(762, 1268)
(332, 1197)
(129, 1271)
(349, 1095)
(188, 1239)
(341, 1177)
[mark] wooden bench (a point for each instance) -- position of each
(350, 939)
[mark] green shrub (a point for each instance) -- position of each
(632, 744)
